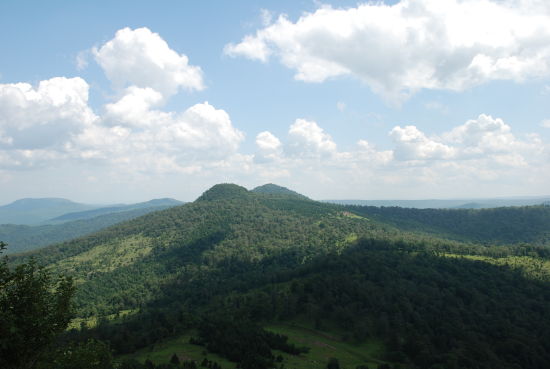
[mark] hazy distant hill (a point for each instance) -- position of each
(33, 211)
(21, 238)
(442, 204)
(166, 202)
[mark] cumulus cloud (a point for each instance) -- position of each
(167, 140)
(307, 139)
(53, 123)
(412, 45)
(142, 58)
(45, 116)
(135, 108)
(269, 147)
(412, 144)
(482, 136)
(471, 159)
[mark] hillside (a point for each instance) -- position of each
(34, 211)
(506, 225)
(22, 238)
(221, 269)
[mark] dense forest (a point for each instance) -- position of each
(435, 288)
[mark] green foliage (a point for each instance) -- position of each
(333, 363)
(267, 257)
(26, 238)
(223, 191)
(243, 341)
(91, 354)
(505, 225)
(273, 189)
(34, 309)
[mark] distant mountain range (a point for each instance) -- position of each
(449, 204)
(34, 211)
(87, 214)
(24, 237)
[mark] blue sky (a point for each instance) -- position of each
(129, 100)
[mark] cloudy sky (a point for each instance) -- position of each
(131, 100)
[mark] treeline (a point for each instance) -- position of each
(243, 341)
(505, 225)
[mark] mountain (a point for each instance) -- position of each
(34, 211)
(273, 189)
(22, 238)
(504, 225)
(166, 202)
(221, 268)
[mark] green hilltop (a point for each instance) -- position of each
(274, 189)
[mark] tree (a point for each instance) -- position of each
(175, 360)
(91, 354)
(34, 309)
(333, 363)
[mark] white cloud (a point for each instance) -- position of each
(43, 117)
(412, 144)
(482, 136)
(161, 140)
(478, 158)
(134, 108)
(307, 139)
(545, 123)
(269, 147)
(412, 45)
(142, 58)
(341, 106)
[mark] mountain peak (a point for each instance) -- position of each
(223, 191)
(271, 188)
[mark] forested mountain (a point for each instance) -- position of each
(221, 268)
(33, 211)
(273, 189)
(23, 238)
(506, 225)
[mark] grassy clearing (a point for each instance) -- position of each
(322, 347)
(162, 352)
